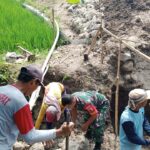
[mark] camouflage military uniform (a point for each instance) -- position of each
(93, 98)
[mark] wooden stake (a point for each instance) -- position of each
(94, 41)
(117, 95)
(92, 45)
(102, 53)
(117, 89)
(86, 54)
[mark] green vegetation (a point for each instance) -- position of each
(66, 77)
(20, 27)
(6, 76)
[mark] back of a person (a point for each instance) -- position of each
(83, 98)
(8, 106)
(55, 89)
(137, 119)
(92, 97)
(8, 130)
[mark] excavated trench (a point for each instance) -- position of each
(97, 79)
(73, 83)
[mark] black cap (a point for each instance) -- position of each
(33, 71)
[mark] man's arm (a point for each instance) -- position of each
(23, 120)
(146, 126)
(128, 127)
(91, 109)
(89, 121)
(35, 136)
(74, 114)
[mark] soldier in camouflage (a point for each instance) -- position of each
(95, 108)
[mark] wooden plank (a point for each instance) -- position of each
(24, 50)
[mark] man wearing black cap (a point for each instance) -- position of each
(15, 114)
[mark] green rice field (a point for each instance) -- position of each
(20, 27)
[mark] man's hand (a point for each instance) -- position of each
(84, 127)
(48, 144)
(65, 130)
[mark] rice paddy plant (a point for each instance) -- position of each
(18, 26)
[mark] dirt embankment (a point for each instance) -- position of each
(130, 21)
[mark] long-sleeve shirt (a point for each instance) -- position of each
(16, 118)
(131, 130)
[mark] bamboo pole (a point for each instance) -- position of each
(130, 47)
(117, 89)
(117, 94)
(142, 42)
(101, 31)
(102, 49)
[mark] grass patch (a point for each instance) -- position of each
(20, 27)
(6, 76)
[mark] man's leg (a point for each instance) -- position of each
(88, 134)
(95, 134)
(98, 141)
(98, 131)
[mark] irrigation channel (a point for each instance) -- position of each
(99, 72)
(45, 64)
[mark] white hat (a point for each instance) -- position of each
(148, 94)
(138, 95)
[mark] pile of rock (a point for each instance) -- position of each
(86, 19)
